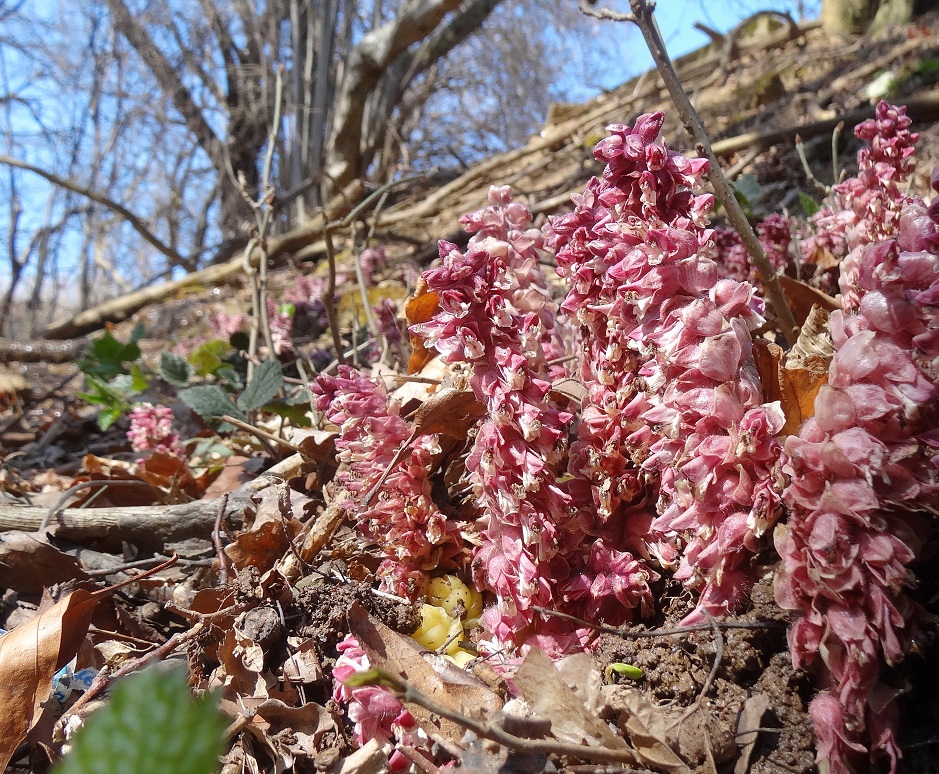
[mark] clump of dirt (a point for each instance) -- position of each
(753, 660)
(325, 601)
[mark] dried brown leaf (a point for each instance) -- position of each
(419, 308)
(541, 685)
(449, 412)
(400, 655)
(646, 726)
(30, 655)
(29, 563)
(751, 718)
(802, 297)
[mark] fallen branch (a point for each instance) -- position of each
(921, 108)
(149, 526)
(118, 309)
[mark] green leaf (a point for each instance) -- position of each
(297, 413)
(175, 370)
(626, 670)
(138, 379)
(267, 381)
(207, 359)
(109, 395)
(809, 205)
(151, 725)
(108, 417)
(747, 189)
(228, 374)
(106, 356)
(137, 333)
(210, 402)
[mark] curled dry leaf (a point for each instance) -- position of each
(751, 719)
(796, 383)
(419, 308)
(541, 685)
(29, 563)
(802, 297)
(448, 412)
(645, 725)
(400, 655)
(290, 733)
(30, 655)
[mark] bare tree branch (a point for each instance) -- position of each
(136, 223)
(169, 80)
(367, 62)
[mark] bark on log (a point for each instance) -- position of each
(149, 527)
(40, 351)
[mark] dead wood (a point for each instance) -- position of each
(40, 351)
(278, 248)
(152, 526)
(922, 108)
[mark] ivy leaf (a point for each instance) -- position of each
(210, 402)
(151, 725)
(106, 356)
(175, 370)
(138, 379)
(267, 381)
(112, 397)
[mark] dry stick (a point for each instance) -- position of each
(329, 301)
(104, 677)
(223, 560)
(408, 693)
(642, 17)
(56, 509)
(262, 435)
(647, 633)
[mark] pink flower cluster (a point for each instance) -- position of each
(497, 315)
(151, 429)
(775, 235)
(674, 399)
(859, 470)
(225, 323)
(280, 320)
(866, 208)
(376, 712)
(402, 519)
(370, 261)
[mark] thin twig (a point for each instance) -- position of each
(718, 655)
(223, 560)
(643, 18)
(329, 297)
(486, 730)
(637, 634)
(262, 435)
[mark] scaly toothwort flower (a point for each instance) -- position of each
(151, 428)
(774, 233)
(376, 712)
(402, 518)
(866, 208)
(667, 362)
(497, 315)
(860, 469)
(494, 317)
